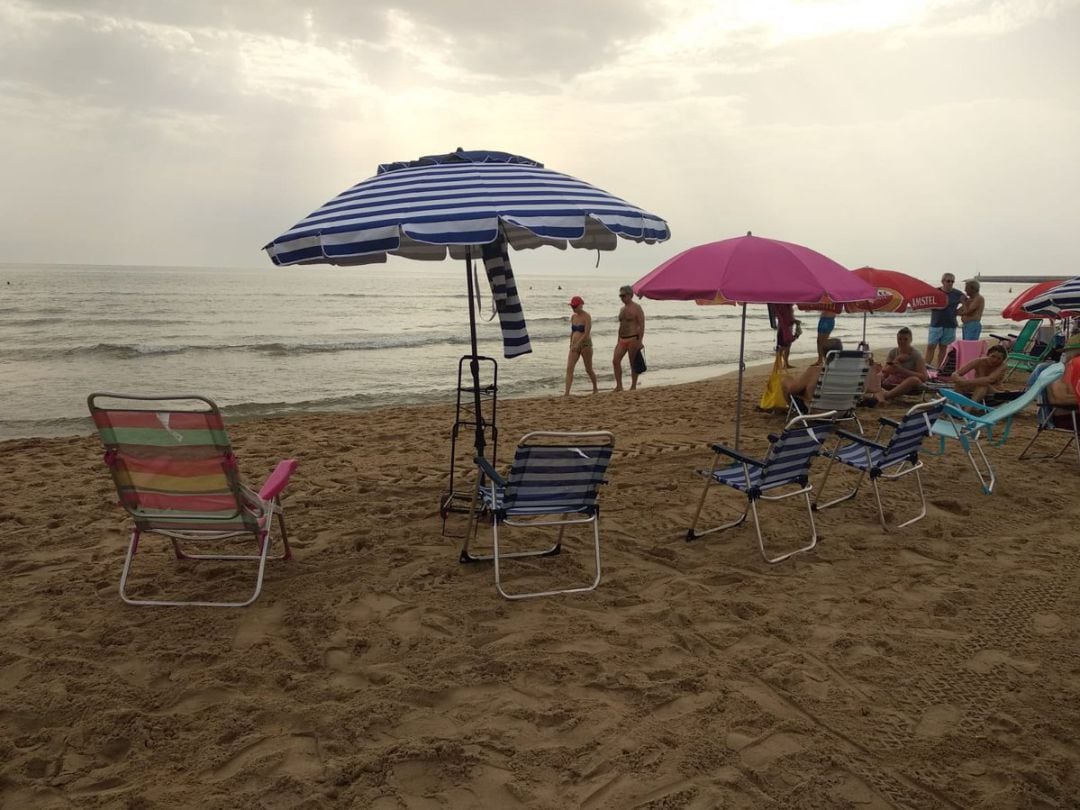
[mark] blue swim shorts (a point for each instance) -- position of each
(941, 335)
(971, 330)
(825, 325)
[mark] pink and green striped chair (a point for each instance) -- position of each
(176, 476)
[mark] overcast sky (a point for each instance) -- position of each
(921, 136)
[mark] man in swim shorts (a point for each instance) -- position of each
(943, 321)
(631, 335)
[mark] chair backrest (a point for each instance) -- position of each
(791, 454)
(558, 471)
(842, 381)
(171, 462)
(958, 354)
(1026, 337)
(914, 427)
(1048, 375)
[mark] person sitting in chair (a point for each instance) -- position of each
(903, 372)
(989, 371)
(804, 384)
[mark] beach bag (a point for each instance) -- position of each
(773, 399)
(637, 362)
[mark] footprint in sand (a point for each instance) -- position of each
(951, 506)
(1047, 623)
(938, 721)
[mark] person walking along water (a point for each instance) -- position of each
(580, 343)
(631, 335)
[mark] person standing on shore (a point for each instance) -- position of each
(580, 343)
(971, 311)
(825, 325)
(943, 321)
(631, 335)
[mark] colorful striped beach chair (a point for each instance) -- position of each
(176, 475)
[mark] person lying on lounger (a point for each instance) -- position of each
(989, 371)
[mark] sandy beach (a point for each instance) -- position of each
(935, 666)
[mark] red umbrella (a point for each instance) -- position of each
(896, 292)
(1015, 311)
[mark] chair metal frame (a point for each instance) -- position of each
(1046, 423)
(496, 492)
(818, 426)
(263, 507)
(883, 467)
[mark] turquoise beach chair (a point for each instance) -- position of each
(968, 421)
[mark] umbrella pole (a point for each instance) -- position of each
(864, 326)
(742, 367)
(474, 363)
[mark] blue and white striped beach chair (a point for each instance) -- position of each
(554, 480)
(892, 461)
(786, 464)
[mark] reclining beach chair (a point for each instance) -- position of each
(888, 462)
(1058, 419)
(1021, 341)
(554, 481)
(787, 464)
(839, 387)
(176, 476)
(1026, 352)
(968, 421)
(957, 355)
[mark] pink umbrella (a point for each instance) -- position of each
(753, 270)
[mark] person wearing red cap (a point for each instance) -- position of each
(580, 343)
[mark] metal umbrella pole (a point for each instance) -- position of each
(742, 368)
(474, 363)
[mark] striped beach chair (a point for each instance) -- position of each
(786, 465)
(888, 462)
(839, 387)
(554, 481)
(176, 476)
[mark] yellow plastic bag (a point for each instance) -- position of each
(774, 399)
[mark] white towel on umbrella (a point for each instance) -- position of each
(504, 293)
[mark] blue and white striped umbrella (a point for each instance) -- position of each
(1065, 297)
(424, 208)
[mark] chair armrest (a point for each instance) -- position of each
(855, 437)
(735, 454)
(278, 479)
(953, 397)
(884, 420)
(489, 471)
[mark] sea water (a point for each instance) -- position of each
(274, 341)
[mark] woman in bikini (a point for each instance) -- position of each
(580, 343)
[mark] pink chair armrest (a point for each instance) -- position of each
(278, 479)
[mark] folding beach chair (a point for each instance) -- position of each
(839, 387)
(1026, 352)
(968, 421)
(554, 480)
(1057, 419)
(888, 462)
(958, 354)
(176, 475)
(786, 464)
(1022, 341)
